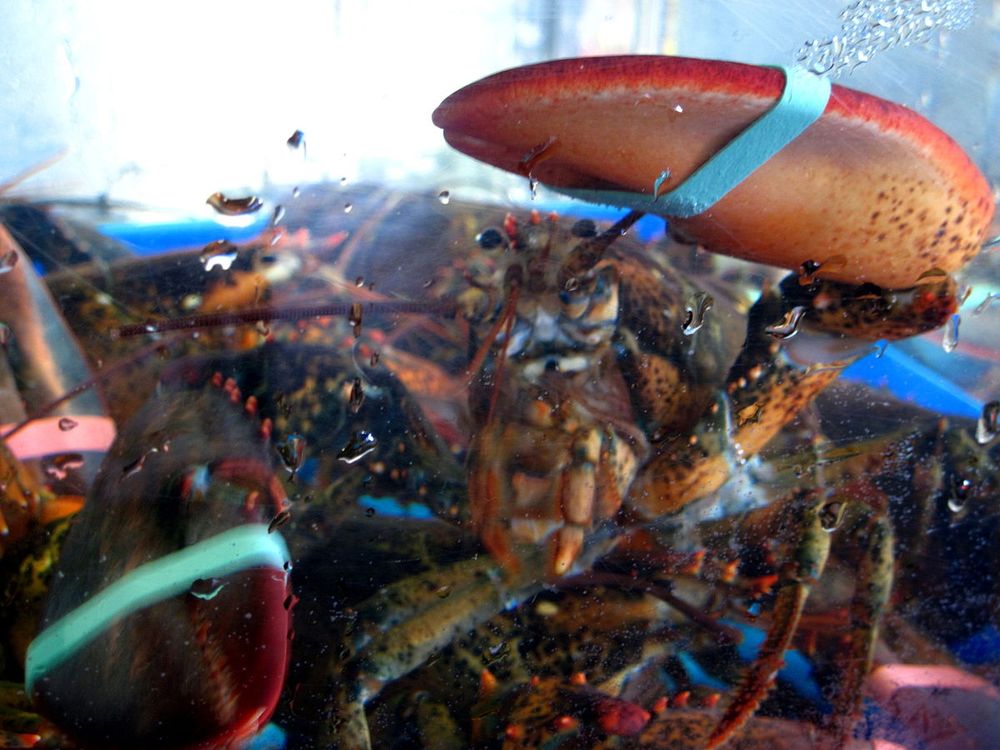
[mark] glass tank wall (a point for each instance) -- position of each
(628, 402)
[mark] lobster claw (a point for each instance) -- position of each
(167, 622)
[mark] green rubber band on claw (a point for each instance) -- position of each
(232, 551)
(801, 103)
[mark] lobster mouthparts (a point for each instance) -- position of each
(167, 623)
(871, 189)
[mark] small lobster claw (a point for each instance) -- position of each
(167, 623)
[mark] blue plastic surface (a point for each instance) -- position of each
(153, 239)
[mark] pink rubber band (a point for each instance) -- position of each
(43, 436)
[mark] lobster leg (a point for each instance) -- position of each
(872, 534)
(795, 581)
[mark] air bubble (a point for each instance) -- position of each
(697, 308)
(348, 207)
(789, 325)
(444, 197)
(360, 445)
(988, 425)
(359, 282)
(872, 26)
(66, 424)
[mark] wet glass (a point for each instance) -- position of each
(321, 431)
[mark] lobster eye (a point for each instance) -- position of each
(489, 239)
(584, 229)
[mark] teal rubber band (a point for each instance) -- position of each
(232, 551)
(802, 103)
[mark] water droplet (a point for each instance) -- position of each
(830, 515)
(7, 261)
(443, 592)
(359, 282)
(658, 182)
(5, 334)
(987, 301)
(348, 207)
(343, 181)
(988, 425)
(292, 449)
(444, 197)
(296, 192)
(354, 317)
(808, 271)
(949, 341)
(932, 276)
(221, 253)
(369, 512)
(535, 156)
(58, 467)
(234, 206)
(283, 517)
(357, 396)
(697, 308)
(360, 445)
(789, 325)
(754, 609)
(678, 108)
(489, 239)
(66, 424)
(296, 139)
(533, 186)
(961, 490)
(879, 348)
(135, 467)
(278, 215)
(373, 360)
(206, 588)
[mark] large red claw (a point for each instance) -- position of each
(167, 621)
(871, 188)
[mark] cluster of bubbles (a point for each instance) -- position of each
(872, 26)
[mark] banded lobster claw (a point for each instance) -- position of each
(869, 183)
(167, 623)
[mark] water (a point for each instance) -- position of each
(429, 479)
